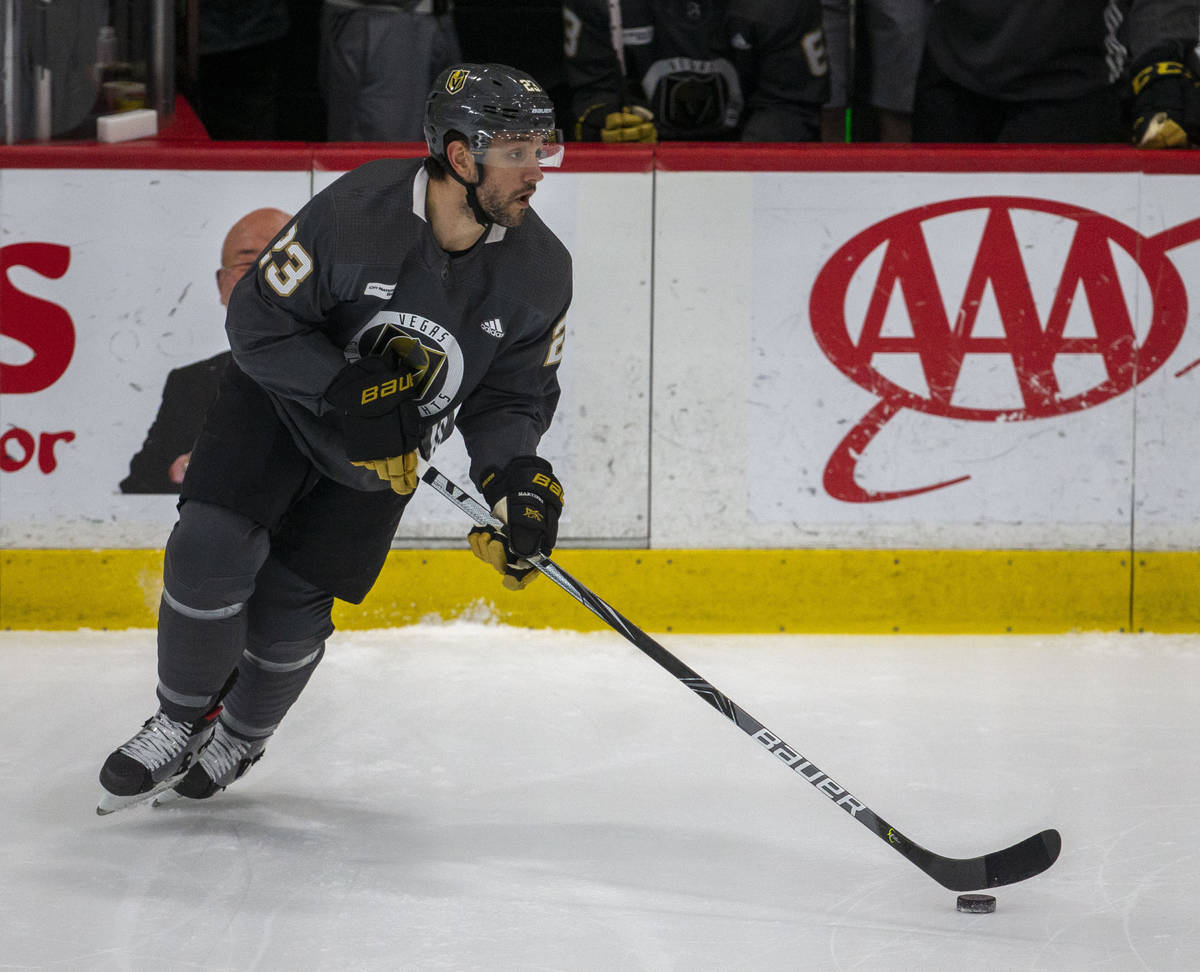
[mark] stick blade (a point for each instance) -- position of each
(1024, 860)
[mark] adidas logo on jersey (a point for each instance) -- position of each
(493, 327)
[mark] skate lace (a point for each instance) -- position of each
(159, 741)
(224, 753)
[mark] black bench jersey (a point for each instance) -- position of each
(1047, 49)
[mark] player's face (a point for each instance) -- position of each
(504, 193)
(512, 169)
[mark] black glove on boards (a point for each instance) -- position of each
(529, 499)
(1165, 98)
(612, 122)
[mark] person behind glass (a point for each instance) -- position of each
(1060, 71)
(409, 296)
(894, 33)
(241, 46)
(159, 465)
(700, 70)
(378, 58)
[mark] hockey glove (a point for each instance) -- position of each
(616, 123)
(1165, 100)
(528, 498)
(381, 427)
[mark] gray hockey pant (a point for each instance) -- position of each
(227, 603)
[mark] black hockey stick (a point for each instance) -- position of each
(1016, 863)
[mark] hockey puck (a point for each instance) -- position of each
(976, 904)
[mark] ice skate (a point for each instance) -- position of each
(224, 760)
(156, 758)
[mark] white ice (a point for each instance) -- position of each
(479, 797)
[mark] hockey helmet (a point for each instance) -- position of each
(486, 102)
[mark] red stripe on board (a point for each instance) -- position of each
(594, 157)
(344, 156)
(149, 154)
(587, 157)
(288, 156)
(885, 157)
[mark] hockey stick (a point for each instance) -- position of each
(1016, 863)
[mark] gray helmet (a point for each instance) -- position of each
(479, 101)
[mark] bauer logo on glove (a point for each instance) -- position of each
(403, 383)
(381, 426)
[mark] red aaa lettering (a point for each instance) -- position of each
(1033, 345)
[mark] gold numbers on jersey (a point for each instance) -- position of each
(557, 339)
(285, 278)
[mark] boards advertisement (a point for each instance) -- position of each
(981, 359)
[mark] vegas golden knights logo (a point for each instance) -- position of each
(435, 385)
(456, 80)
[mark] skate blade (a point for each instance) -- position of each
(168, 797)
(111, 802)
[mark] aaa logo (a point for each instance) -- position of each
(1127, 354)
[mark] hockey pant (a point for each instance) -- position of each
(228, 603)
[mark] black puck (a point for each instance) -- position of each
(976, 904)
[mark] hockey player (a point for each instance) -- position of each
(1060, 71)
(700, 70)
(406, 291)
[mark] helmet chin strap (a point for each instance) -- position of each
(481, 217)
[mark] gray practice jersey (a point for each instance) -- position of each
(358, 269)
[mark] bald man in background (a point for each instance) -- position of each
(160, 464)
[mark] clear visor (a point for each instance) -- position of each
(525, 149)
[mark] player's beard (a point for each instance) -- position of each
(501, 207)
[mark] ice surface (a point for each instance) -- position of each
(479, 797)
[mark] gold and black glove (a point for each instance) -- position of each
(1165, 99)
(528, 498)
(381, 426)
(612, 122)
